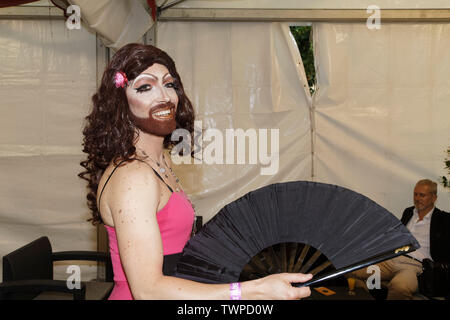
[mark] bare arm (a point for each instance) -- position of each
(134, 203)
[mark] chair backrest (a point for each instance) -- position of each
(32, 261)
(434, 281)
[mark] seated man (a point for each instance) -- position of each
(431, 227)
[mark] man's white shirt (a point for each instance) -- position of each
(421, 231)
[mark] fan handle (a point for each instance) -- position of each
(365, 263)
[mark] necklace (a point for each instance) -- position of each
(162, 169)
(177, 189)
(171, 171)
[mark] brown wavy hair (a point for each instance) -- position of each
(109, 135)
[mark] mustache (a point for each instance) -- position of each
(162, 106)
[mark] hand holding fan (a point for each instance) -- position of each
(297, 226)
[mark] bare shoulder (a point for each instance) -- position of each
(133, 174)
(133, 185)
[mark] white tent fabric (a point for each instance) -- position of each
(381, 108)
(379, 138)
(241, 76)
(47, 75)
(118, 22)
(380, 115)
(317, 4)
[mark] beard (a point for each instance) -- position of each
(157, 125)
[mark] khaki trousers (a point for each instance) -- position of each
(400, 273)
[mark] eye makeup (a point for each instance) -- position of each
(145, 81)
(143, 88)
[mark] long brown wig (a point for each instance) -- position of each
(109, 135)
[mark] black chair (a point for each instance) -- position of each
(28, 274)
(434, 281)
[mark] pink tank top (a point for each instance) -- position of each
(175, 222)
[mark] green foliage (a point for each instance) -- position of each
(303, 37)
(444, 180)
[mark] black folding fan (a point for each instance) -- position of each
(297, 226)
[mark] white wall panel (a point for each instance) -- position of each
(382, 108)
(47, 76)
(247, 76)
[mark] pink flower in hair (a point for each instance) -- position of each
(120, 79)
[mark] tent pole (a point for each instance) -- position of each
(309, 15)
(102, 60)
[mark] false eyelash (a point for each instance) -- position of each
(147, 87)
(143, 88)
